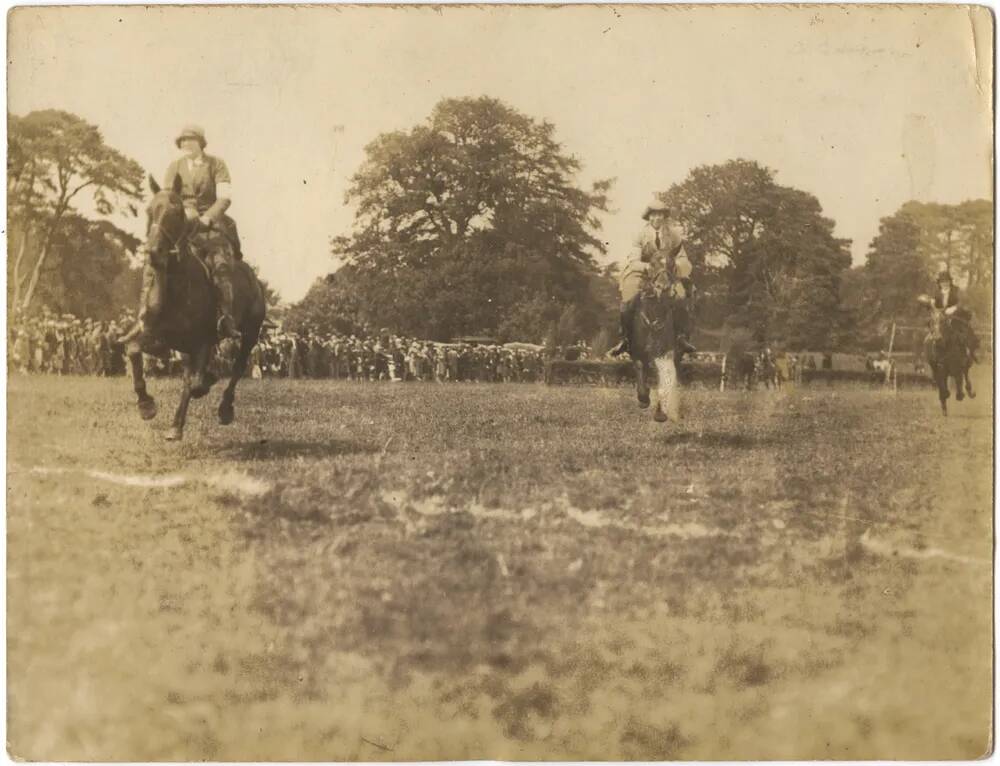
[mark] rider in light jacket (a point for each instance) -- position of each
(206, 191)
(658, 255)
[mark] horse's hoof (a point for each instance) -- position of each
(959, 396)
(659, 416)
(972, 394)
(147, 409)
(175, 434)
(197, 392)
(226, 415)
(643, 401)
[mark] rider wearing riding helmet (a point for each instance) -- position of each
(658, 255)
(947, 299)
(205, 190)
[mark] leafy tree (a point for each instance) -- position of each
(959, 237)
(90, 270)
(53, 157)
(472, 223)
(896, 271)
(911, 247)
(329, 306)
(765, 258)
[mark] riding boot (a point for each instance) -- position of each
(222, 277)
(227, 325)
(626, 316)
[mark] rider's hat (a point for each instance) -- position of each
(191, 131)
(656, 206)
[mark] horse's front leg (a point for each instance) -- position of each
(204, 378)
(958, 375)
(145, 402)
(642, 384)
(968, 382)
(668, 404)
(176, 432)
(941, 378)
(226, 411)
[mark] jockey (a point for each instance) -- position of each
(206, 193)
(947, 298)
(658, 255)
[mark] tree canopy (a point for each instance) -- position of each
(912, 246)
(472, 222)
(55, 159)
(765, 257)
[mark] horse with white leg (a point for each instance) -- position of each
(656, 349)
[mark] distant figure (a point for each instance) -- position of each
(947, 298)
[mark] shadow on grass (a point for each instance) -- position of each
(284, 449)
(723, 439)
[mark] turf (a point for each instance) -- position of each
(420, 571)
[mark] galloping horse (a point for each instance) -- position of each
(183, 300)
(947, 356)
(653, 346)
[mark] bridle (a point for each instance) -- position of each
(175, 244)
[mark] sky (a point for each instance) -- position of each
(864, 107)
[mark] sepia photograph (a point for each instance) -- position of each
(500, 382)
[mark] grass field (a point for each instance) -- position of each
(395, 572)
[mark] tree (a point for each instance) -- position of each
(53, 157)
(329, 306)
(90, 270)
(765, 258)
(472, 223)
(912, 245)
(896, 271)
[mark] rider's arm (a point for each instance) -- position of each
(223, 191)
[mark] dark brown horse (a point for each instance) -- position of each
(183, 303)
(947, 355)
(653, 347)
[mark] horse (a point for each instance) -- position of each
(947, 355)
(182, 305)
(654, 350)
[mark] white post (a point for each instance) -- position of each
(722, 376)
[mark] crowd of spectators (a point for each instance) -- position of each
(391, 357)
(62, 344)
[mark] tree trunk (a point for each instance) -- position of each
(37, 270)
(22, 248)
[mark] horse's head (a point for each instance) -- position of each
(166, 224)
(938, 324)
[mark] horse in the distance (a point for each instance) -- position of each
(653, 348)
(947, 356)
(184, 311)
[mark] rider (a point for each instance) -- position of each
(658, 254)
(206, 192)
(947, 298)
